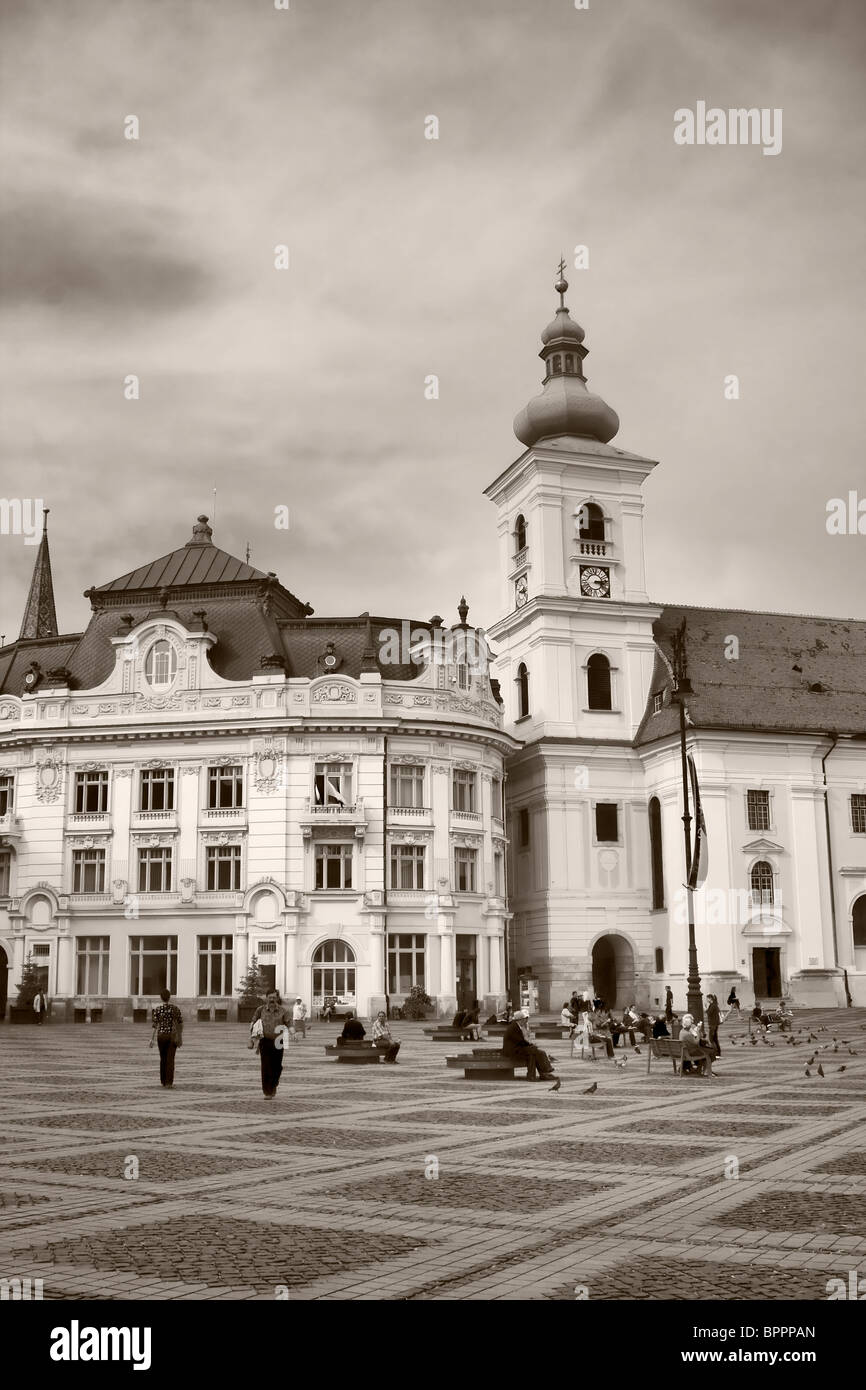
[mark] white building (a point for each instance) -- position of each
(209, 772)
(777, 728)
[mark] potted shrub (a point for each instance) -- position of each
(416, 1003)
(22, 1010)
(251, 990)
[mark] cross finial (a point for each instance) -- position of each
(561, 266)
(562, 284)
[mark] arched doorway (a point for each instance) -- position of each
(334, 973)
(613, 970)
(4, 977)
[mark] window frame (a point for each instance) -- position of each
(414, 952)
(608, 670)
(84, 858)
(467, 780)
(344, 772)
(100, 956)
(217, 857)
(209, 955)
(222, 777)
(324, 855)
(150, 658)
(149, 856)
(858, 813)
(597, 840)
(151, 778)
(138, 953)
(759, 792)
(7, 793)
(413, 774)
(465, 856)
(413, 858)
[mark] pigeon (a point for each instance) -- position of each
(637, 1050)
(813, 1037)
(820, 1070)
(807, 1072)
(842, 1068)
(851, 1052)
(811, 1061)
(836, 1048)
(556, 1085)
(592, 1089)
(754, 1042)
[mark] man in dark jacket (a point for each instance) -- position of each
(353, 1030)
(516, 1044)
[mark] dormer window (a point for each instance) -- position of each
(160, 665)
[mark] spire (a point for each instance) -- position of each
(565, 406)
(40, 618)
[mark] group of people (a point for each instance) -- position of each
(589, 1021)
(467, 1020)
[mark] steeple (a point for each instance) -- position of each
(565, 406)
(40, 618)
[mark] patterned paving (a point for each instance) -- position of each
(410, 1183)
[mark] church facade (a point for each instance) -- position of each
(209, 773)
(776, 726)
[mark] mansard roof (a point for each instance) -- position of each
(786, 673)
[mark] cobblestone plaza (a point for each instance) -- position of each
(751, 1185)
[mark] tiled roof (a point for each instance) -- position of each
(16, 658)
(791, 673)
(190, 564)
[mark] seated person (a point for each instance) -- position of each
(574, 1003)
(568, 1019)
(644, 1026)
(622, 1030)
(353, 1030)
(660, 1028)
(760, 1016)
(457, 1020)
(470, 1025)
(516, 1044)
(382, 1038)
(697, 1054)
(599, 1030)
(329, 1007)
(675, 1025)
(785, 1016)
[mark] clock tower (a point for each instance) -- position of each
(576, 657)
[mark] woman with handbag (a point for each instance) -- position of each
(275, 1026)
(167, 1021)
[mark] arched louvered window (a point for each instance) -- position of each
(598, 682)
(519, 535)
(522, 691)
(591, 522)
(657, 862)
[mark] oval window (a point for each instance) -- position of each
(160, 664)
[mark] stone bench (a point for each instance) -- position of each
(449, 1034)
(356, 1050)
(486, 1065)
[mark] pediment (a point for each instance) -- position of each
(766, 923)
(763, 846)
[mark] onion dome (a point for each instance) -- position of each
(565, 406)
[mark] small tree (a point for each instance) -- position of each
(417, 1003)
(30, 983)
(253, 985)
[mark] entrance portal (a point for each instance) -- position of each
(613, 971)
(466, 971)
(767, 972)
(4, 977)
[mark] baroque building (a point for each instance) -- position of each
(776, 725)
(209, 772)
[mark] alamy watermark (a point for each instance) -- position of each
(22, 516)
(736, 126)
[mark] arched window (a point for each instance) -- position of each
(655, 830)
(160, 666)
(557, 366)
(522, 691)
(334, 972)
(762, 883)
(519, 535)
(569, 362)
(598, 682)
(591, 522)
(860, 922)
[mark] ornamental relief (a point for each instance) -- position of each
(49, 780)
(467, 767)
(163, 841)
(393, 699)
(98, 840)
(190, 769)
(158, 702)
(335, 691)
(468, 841)
(268, 771)
(9, 712)
(412, 759)
(410, 837)
(224, 837)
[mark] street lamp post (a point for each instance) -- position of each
(682, 688)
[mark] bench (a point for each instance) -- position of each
(667, 1047)
(448, 1034)
(553, 1030)
(356, 1050)
(484, 1065)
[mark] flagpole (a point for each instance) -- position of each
(683, 687)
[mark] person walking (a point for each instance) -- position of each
(383, 1040)
(669, 1004)
(714, 1018)
(40, 1006)
(276, 1023)
(167, 1030)
(299, 1017)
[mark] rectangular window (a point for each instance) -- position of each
(91, 792)
(658, 703)
(607, 822)
(405, 963)
(463, 790)
(154, 870)
(660, 960)
(465, 864)
(523, 827)
(333, 784)
(858, 814)
(224, 867)
(407, 786)
(407, 866)
(496, 798)
(157, 789)
(215, 965)
(464, 679)
(152, 964)
(498, 879)
(5, 872)
(759, 810)
(7, 793)
(225, 788)
(91, 973)
(88, 871)
(333, 866)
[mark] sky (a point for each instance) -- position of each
(304, 388)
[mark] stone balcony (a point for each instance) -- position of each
(11, 828)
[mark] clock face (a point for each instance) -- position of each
(521, 592)
(594, 582)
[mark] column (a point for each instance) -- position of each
(377, 968)
(65, 966)
(447, 972)
(496, 964)
(290, 978)
(242, 953)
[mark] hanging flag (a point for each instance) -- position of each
(699, 864)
